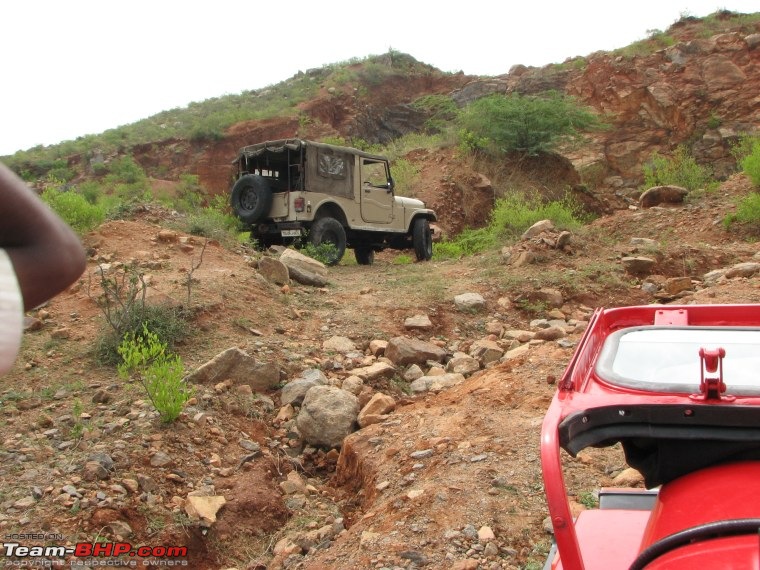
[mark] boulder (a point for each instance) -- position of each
(304, 269)
(238, 366)
(274, 271)
(486, 351)
(638, 265)
(469, 301)
(662, 195)
(373, 412)
(295, 391)
(327, 416)
(340, 344)
(419, 322)
(463, 364)
(403, 351)
(436, 383)
(537, 228)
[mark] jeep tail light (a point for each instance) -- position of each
(299, 204)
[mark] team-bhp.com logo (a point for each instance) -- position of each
(85, 554)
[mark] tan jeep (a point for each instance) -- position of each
(295, 191)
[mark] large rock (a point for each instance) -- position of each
(374, 371)
(274, 271)
(340, 344)
(295, 391)
(240, 367)
(374, 411)
(403, 351)
(304, 269)
(204, 508)
(436, 383)
(746, 269)
(486, 351)
(463, 364)
(327, 416)
(668, 194)
(469, 301)
(537, 228)
(638, 265)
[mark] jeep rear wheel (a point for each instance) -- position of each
(422, 239)
(251, 198)
(364, 255)
(329, 231)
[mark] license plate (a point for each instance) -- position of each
(290, 233)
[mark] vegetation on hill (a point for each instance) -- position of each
(207, 120)
(500, 124)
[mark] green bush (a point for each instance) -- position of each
(126, 171)
(405, 174)
(750, 161)
(325, 252)
(215, 221)
(442, 111)
(501, 124)
(75, 210)
(680, 170)
(747, 212)
(123, 304)
(514, 213)
(167, 323)
(160, 372)
(511, 216)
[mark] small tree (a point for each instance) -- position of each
(530, 124)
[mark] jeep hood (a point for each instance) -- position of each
(411, 203)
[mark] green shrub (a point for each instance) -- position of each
(448, 250)
(511, 216)
(122, 302)
(514, 213)
(680, 170)
(655, 40)
(405, 174)
(747, 212)
(74, 209)
(325, 252)
(168, 323)
(215, 221)
(442, 111)
(501, 124)
(160, 372)
(125, 170)
(750, 162)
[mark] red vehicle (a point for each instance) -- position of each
(679, 388)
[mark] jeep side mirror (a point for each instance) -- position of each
(391, 185)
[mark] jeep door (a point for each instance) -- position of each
(376, 192)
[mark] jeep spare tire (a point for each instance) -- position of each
(251, 198)
(422, 239)
(329, 231)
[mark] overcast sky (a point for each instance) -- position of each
(80, 67)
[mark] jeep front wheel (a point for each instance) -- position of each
(251, 198)
(422, 239)
(329, 231)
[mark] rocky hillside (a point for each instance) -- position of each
(692, 84)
